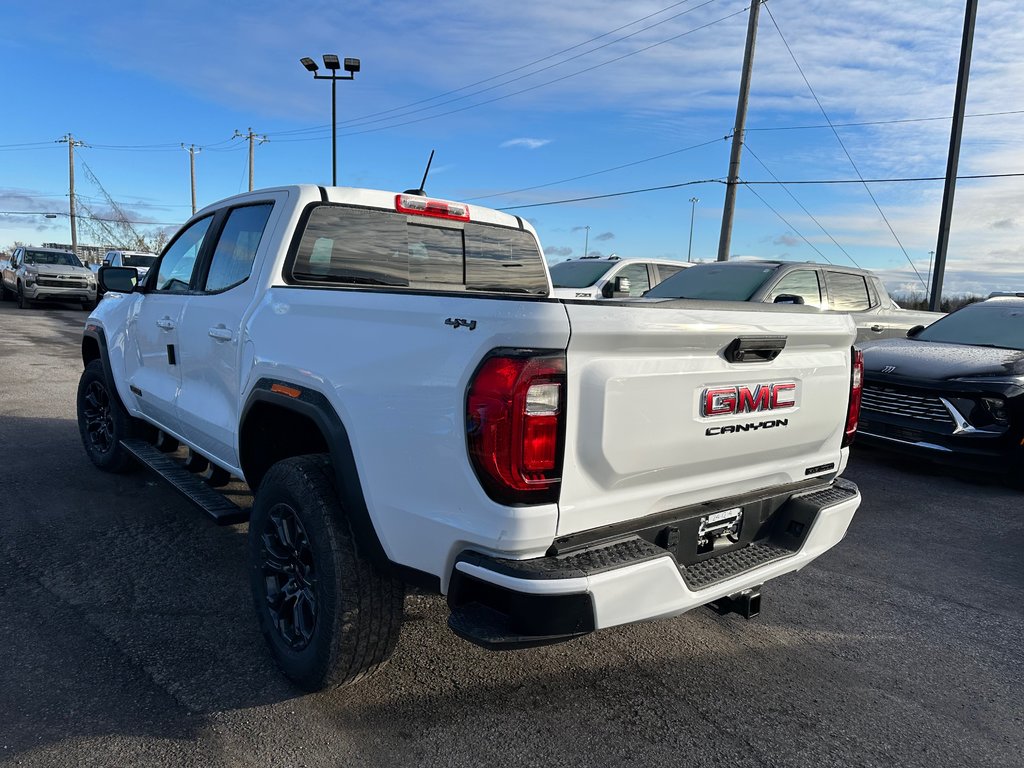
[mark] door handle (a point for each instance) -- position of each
(876, 328)
(221, 333)
(166, 323)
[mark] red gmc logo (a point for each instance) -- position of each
(730, 401)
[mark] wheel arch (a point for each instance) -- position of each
(313, 426)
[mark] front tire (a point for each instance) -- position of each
(329, 616)
(103, 421)
(23, 303)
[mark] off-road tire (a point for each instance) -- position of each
(357, 617)
(103, 422)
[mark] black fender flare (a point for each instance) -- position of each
(317, 408)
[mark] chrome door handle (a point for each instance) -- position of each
(166, 323)
(221, 333)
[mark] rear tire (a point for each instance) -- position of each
(103, 422)
(329, 616)
(89, 306)
(5, 294)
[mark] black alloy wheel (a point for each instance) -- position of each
(97, 417)
(329, 615)
(290, 575)
(103, 421)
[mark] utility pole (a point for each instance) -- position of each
(586, 242)
(948, 189)
(72, 143)
(693, 210)
(725, 237)
(252, 137)
(192, 149)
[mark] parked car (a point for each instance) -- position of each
(607, 277)
(857, 292)
(41, 274)
(952, 392)
(140, 260)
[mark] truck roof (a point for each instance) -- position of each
(370, 198)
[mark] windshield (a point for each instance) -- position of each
(52, 257)
(983, 324)
(578, 274)
(138, 260)
(734, 281)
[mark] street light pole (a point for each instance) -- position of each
(332, 63)
(586, 242)
(693, 210)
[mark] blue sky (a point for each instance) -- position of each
(537, 102)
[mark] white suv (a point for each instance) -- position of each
(141, 260)
(609, 277)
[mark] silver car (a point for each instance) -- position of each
(829, 288)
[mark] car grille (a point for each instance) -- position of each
(902, 403)
(70, 282)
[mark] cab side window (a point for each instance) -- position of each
(849, 293)
(179, 261)
(236, 248)
(639, 280)
(803, 283)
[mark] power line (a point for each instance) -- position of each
(841, 144)
(756, 183)
(611, 194)
(94, 218)
(884, 122)
(770, 208)
(507, 72)
(595, 173)
(532, 87)
(802, 207)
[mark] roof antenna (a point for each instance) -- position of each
(421, 192)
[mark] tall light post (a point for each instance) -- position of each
(693, 210)
(331, 63)
(586, 242)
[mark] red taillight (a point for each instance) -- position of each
(856, 387)
(422, 206)
(515, 425)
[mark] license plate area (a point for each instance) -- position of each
(719, 530)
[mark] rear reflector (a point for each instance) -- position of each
(422, 206)
(856, 388)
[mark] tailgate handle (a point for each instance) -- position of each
(754, 349)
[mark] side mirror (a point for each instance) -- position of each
(616, 289)
(788, 298)
(912, 333)
(118, 279)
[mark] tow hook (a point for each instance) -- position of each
(746, 603)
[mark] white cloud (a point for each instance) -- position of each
(525, 142)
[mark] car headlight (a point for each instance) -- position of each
(29, 278)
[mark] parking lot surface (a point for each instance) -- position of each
(130, 640)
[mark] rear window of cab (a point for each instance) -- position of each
(347, 246)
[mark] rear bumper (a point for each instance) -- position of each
(502, 603)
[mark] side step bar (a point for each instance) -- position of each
(216, 505)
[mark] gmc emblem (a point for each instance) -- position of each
(732, 401)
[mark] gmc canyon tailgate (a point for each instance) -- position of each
(682, 402)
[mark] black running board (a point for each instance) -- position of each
(216, 505)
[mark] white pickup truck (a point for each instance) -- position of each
(408, 404)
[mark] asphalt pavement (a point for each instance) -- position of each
(128, 637)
